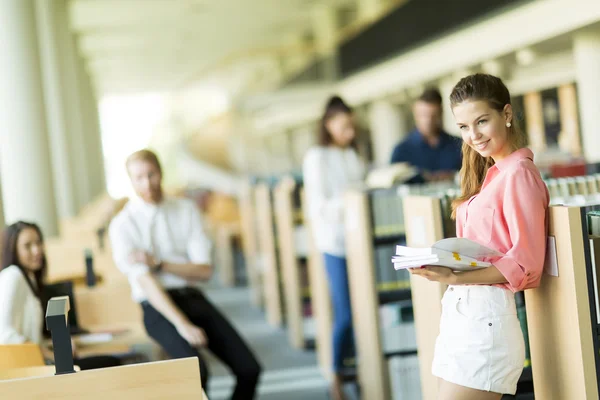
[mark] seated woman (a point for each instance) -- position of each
(21, 284)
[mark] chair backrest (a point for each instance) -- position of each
(177, 379)
(20, 356)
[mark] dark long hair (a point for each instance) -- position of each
(474, 166)
(334, 106)
(10, 254)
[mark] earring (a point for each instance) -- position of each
(508, 124)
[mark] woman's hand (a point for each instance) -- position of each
(141, 257)
(194, 335)
(436, 274)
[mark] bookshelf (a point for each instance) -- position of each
(248, 232)
(225, 237)
(320, 300)
(373, 226)
(425, 226)
(293, 261)
(268, 255)
(561, 315)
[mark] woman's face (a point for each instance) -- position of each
(484, 128)
(30, 249)
(341, 127)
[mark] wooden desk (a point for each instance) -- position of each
(174, 379)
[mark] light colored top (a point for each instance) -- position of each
(327, 173)
(21, 317)
(510, 215)
(172, 231)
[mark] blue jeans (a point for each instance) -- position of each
(343, 334)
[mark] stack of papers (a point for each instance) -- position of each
(459, 254)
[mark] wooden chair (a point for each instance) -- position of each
(20, 356)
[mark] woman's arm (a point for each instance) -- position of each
(321, 205)
(11, 306)
(485, 276)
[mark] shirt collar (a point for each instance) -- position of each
(420, 139)
(514, 157)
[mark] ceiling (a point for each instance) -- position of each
(165, 45)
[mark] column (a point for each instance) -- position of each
(91, 136)
(448, 122)
(73, 103)
(388, 127)
(25, 169)
(569, 140)
(586, 48)
(48, 22)
(369, 10)
(325, 33)
(534, 116)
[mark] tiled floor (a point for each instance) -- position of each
(288, 374)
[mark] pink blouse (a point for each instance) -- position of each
(510, 215)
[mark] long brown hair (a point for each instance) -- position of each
(10, 254)
(335, 105)
(474, 166)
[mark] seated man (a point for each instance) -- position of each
(436, 154)
(159, 244)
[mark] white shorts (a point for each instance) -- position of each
(481, 343)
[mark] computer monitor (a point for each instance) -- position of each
(64, 288)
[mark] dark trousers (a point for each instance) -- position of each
(223, 340)
(343, 334)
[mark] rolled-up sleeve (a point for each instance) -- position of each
(198, 245)
(122, 244)
(525, 211)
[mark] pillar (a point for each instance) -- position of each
(25, 169)
(369, 10)
(534, 115)
(76, 120)
(92, 139)
(49, 22)
(325, 33)
(586, 49)
(448, 122)
(388, 127)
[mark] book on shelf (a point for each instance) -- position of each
(459, 254)
(386, 177)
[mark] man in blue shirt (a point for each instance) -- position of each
(436, 154)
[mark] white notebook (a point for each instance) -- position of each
(459, 254)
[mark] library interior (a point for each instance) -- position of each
(290, 200)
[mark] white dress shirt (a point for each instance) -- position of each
(327, 173)
(21, 317)
(171, 231)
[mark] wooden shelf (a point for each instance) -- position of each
(293, 292)
(268, 255)
(559, 316)
(321, 303)
(372, 370)
(249, 243)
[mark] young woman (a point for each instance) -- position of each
(21, 285)
(479, 353)
(328, 170)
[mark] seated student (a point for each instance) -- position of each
(435, 153)
(21, 284)
(159, 243)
